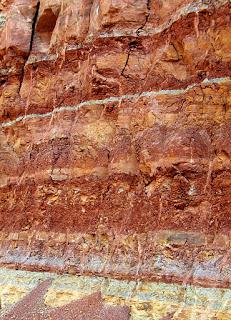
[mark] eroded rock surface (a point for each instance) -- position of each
(115, 138)
(139, 299)
(88, 308)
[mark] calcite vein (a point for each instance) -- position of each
(113, 99)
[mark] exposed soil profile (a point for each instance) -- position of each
(115, 146)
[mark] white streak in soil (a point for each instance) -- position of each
(114, 99)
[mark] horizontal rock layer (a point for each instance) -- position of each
(170, 256)
(146, 300)
(115, 138)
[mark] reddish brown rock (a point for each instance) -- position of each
(115, 127)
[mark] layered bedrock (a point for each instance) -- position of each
(115, 138)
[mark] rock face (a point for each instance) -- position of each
(24, 291)
(91, 307)
(115, 138)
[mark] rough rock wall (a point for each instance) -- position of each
(115, 138)
(146, 300)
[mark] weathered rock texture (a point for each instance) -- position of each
(146, 300)
(91, 307)
(115, 138)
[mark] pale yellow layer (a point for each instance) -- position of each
(146, 300)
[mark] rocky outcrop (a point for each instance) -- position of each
(116, 138)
